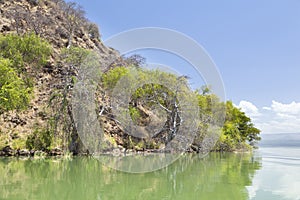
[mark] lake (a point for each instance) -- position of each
(272, 172)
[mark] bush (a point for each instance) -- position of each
(74, 55)
(111, 78)
(29, 49)
(39, 140)
(93, 31)
(14, 94)
(134, 114)
(18, 143)
(4, 140)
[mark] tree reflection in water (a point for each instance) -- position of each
(217, 176)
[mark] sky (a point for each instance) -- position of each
(254, 44)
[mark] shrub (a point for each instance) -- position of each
(93, 31)
(74, 55)
(14, 94)
(111, 78)
(30, 49)
(4, 140)
(134, 114)
(41, 139)
(18, 143)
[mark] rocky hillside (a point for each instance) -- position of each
(62, 25)
(42, 45)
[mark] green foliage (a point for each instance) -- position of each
(112, 140)
(151, 145)
(111, 78)
(14, 94)
(134, 113)
(238, 130)
(242, 123)
(4, 140)
(61, 123)
(41, 139)
(29, 49)
(74, 55)
(19, 143)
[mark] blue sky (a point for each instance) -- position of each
(255, 45)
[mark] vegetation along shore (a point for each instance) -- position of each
(42, 45)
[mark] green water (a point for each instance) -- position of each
(217, 176)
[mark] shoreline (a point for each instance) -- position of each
(9, 152)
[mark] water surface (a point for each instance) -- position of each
(279, 176)
(272, 172)
(218, 176)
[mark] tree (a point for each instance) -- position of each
(62, 122)
(110, 79)
(134, 60)
(93, 31)
(238, 130)
(74, 56)
(75, 17)
(154, 106)
(37, 21)
(205, 90)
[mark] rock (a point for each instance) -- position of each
(8, 151)
(116, 152)
(56, 152)
(48, 68)
(23, 152)
(32, 153)
(194, 148)
(121, 148)
(2, 153)
(33, 2)
(5, 28)
(17, 120)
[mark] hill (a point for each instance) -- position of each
(62, 25)
(42, 47)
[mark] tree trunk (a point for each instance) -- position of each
(70, 38)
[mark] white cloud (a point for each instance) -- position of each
(267, 108)
(276, 118)
(249, 108)
(278, 126)
(285, 118)
(291, 109)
